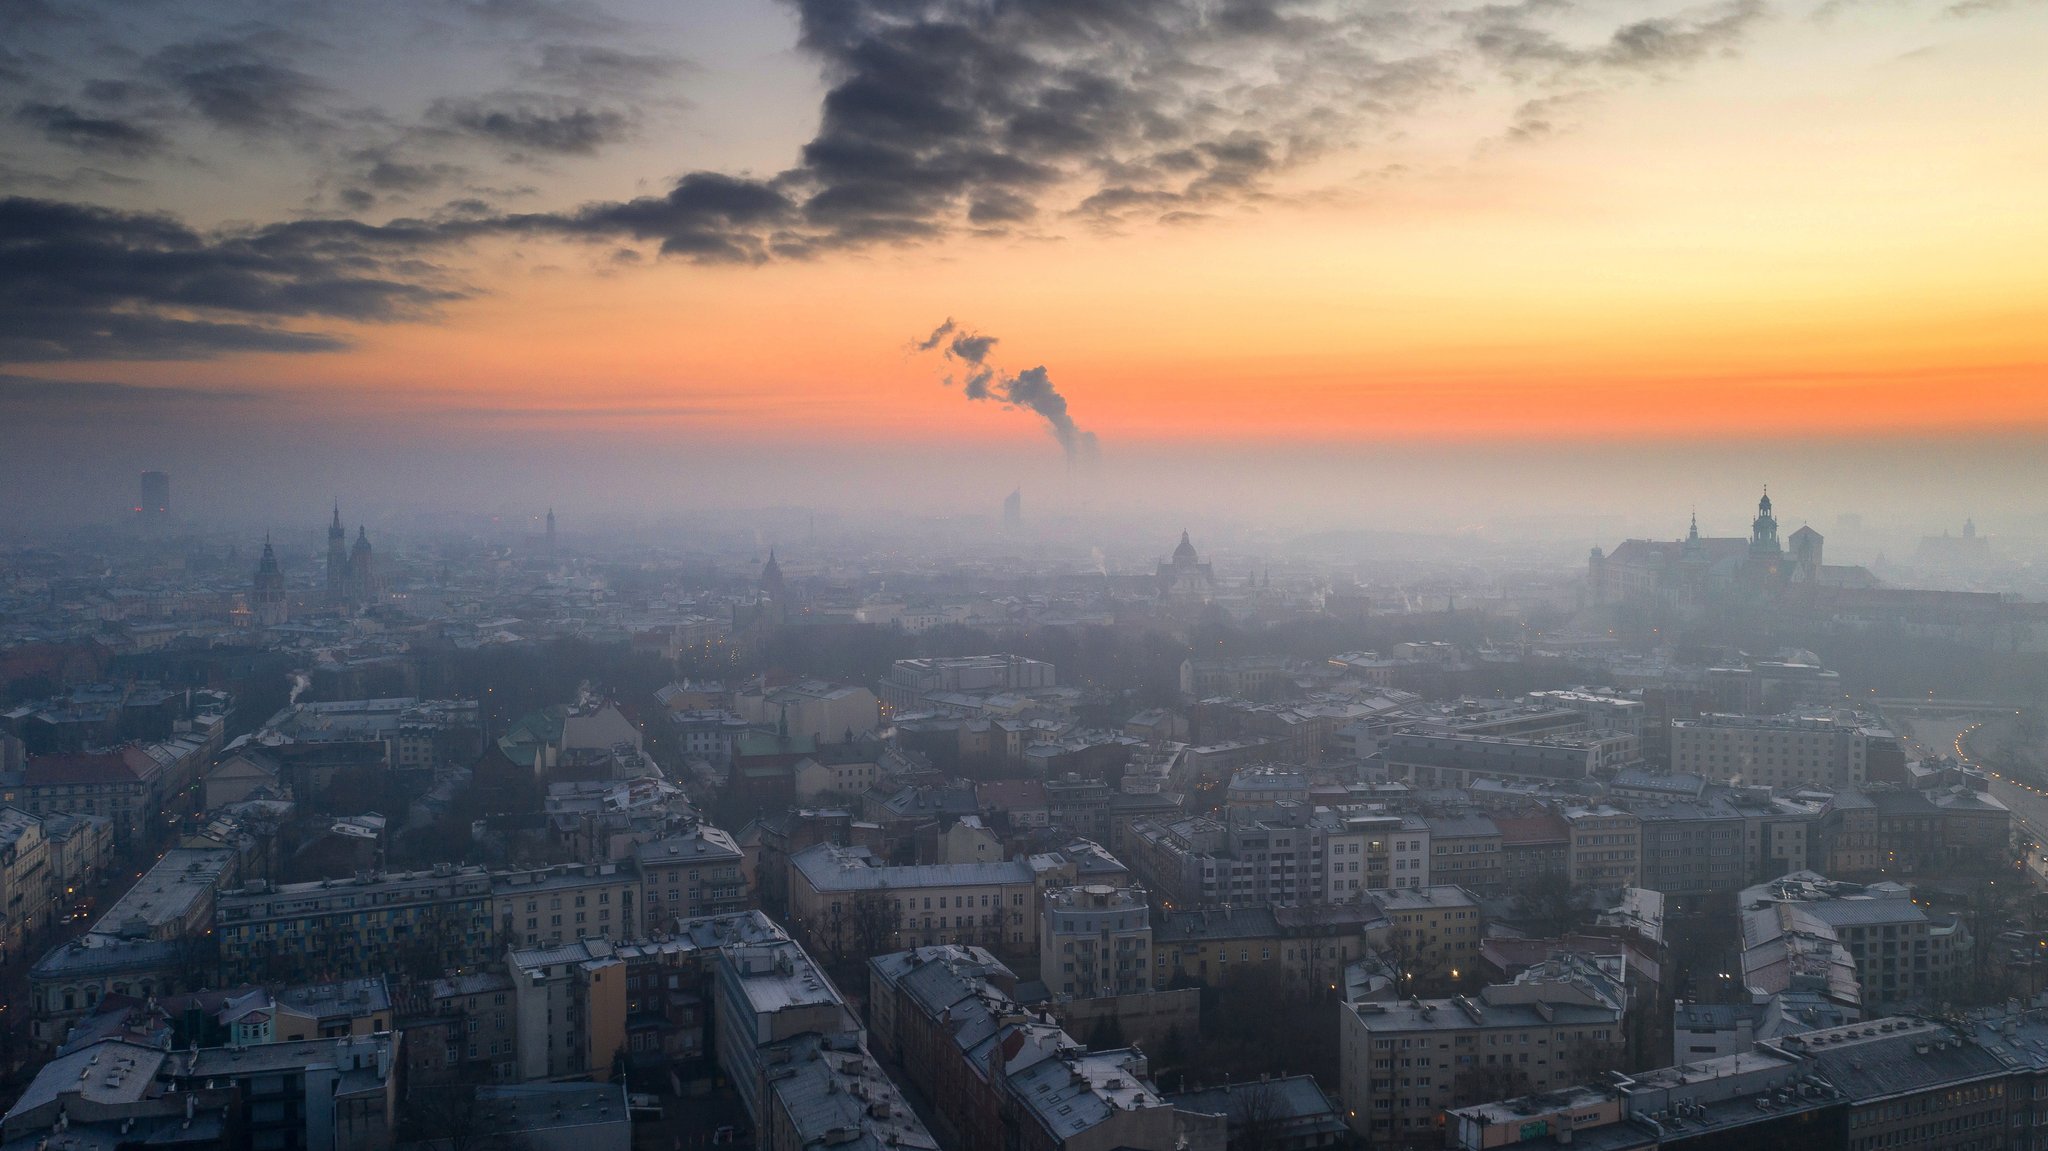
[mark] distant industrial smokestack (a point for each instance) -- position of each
(1031, 389)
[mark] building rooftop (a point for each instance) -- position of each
(780, 976)
(701, 843)
(1078, 1090)
(829, 867)
(168, 891)
(835, 1094)
(108, 1073)
(518, 1107)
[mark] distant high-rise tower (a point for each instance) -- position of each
(155, 502)
(1013, 510)
(551, 531)
(337, 561)
(266, 594)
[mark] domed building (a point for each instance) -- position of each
(1185, 579)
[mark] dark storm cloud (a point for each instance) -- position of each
(90, 283)
(961, 114)
(66, 125)
(534, 122)
(706, 216)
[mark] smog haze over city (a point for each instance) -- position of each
(1023, 575)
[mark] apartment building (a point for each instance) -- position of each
(1465, 851)
(552, 906)
(1535, 847)
(1433, 932)
(1307, 945)
(1902, 954)
(174, 899)
(1693, 846)
(568, 1008)
(1784, 751)
(375, 923)
(1457, 759)
(767, 994)
(844, 901)
(27, 896)
(1606, 846)
(1096, 941)
(462, 1028)
(688, 875)
(1404, 1061)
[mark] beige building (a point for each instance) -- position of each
(569, 1009)
(844, 902)
(1782, 751)
(1096, 941)
(549, 907)
(968, 840)
(1432, 932)
(1606, 847)
(26, 882)
(824, 711)
(814, 779)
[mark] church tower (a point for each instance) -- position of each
(362, 576)
(266, 593)
(1763, 531)
(337, 561)
(774, 597)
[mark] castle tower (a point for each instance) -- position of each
(1763, 531)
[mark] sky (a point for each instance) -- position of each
(1427, 263)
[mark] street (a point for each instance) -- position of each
(1951, 736)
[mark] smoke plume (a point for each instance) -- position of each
(1031, 390)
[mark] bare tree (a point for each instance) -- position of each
(1258, 1116)
(877, 922)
